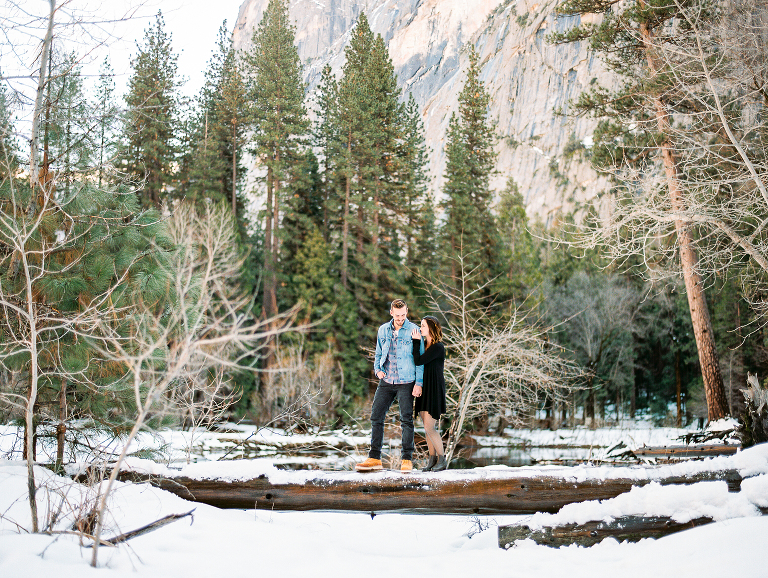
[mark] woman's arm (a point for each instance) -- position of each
(435, 352)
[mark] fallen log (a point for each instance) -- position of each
(627, 528)
(690, 451)
(456, 492)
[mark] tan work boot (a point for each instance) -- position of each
(369, 465)
(406, 466)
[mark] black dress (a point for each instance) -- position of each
(432, 398)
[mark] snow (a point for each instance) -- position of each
(681, 503)
(234, 543)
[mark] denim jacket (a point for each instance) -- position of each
(405, 367)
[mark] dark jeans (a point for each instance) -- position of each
(382, 400)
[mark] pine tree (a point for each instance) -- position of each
(370, 129)
(636, 119)
(9, 159)
(106, 112)
(417, 206)
(149, 132)
(281, 124)
(519, 251)
(470, 157)
(66, 130)
(325, 139)
(219, 129)
(354, 127)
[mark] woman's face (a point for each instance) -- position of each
(424, 329)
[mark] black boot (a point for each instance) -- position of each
(440, 465)
(430, 464)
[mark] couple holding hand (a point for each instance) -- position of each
(409, 363)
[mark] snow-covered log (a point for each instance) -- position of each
(627, 528)
(455, 491)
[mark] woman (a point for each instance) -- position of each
(430, 399)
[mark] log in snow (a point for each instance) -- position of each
(627, 528)
(688, 451)
(451, 492)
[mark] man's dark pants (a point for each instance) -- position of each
(382, 400)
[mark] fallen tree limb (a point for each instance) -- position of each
(146, 529)
(457, 492)
(629, 528)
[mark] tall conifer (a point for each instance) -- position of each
(105, 137)
(416, 206)
(151, 119)
(370, 129)
(636, 129)
(219, 128)
(325, 140)
(281, 124)
(470, 228)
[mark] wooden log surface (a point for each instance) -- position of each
(689, 451)
(458, 492)
(626, 528)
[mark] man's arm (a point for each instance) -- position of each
(377, 358)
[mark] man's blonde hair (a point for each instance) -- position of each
(398, 304)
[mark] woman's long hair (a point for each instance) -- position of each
(435, 332)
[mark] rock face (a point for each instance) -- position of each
(530, 80)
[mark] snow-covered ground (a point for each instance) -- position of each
(286, 544)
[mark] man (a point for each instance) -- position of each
(399, 378)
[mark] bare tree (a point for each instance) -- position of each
(304, 392)
(498, 361)
(200, 324)
(708, 201)
(593, 318)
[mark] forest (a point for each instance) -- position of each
(174, 261)
(170, 266)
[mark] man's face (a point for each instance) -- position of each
(398, 316)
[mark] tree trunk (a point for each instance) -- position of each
(589, 408)
(275, 237)
(506, 492)
(678, 385)
(234, 169)
(345, 228)
(717, 403)
(269, 271)
(375, 235)
(61, 428)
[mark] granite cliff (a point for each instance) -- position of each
(530, 80)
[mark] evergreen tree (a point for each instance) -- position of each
(636, 119)
(106, 112)
(66, 130)
(219, 129)
(370, 130)
(280, 120)
(325, 139)
(83, 250)
(9, 159)
(354, 126)
(519, 251)
(151, 121)
(416, 207)
(470, 157)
